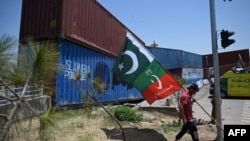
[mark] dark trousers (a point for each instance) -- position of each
(192, 128)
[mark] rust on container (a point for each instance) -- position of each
(85, 22)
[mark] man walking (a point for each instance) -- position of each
(186, 113)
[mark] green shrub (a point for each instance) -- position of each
(125, 113)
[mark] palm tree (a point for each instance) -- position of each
(36, 62)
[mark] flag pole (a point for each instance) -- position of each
(208, 114)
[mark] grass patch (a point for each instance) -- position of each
(65, 114)
(171, 127)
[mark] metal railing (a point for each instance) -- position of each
(32, 91)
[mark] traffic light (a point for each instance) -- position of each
(225, 41)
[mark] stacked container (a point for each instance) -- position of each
(227, 60)
(89, 39)
(180, 63)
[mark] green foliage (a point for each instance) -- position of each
(88, 107)
(36, 62)
(46, 126)
(99, 85)
(125, 113)
(37, 59)
(173, 127)
(6, 55)
(40, 59)
(17, 76)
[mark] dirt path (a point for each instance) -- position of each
(99, 127)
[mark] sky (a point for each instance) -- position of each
(174, 24)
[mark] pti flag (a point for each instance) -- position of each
(136, 66)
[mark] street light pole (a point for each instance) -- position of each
(216, 70)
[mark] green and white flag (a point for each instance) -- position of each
(136, 65)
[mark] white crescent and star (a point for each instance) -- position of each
(135, 66)
(134, 62)
(158, 80)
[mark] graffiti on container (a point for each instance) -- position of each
(189, 73)
(73, 67)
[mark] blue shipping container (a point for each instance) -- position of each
(191, 60)
(174, 59)
(84, 61)
(169, 58)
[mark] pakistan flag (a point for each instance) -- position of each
(136, 65)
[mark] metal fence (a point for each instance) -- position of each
(32, 91)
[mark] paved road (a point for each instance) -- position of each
(204, 101)
(234, 111)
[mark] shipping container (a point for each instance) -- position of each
(169, 58)
(191, 60)
(78, 59)
(227, 60)
(85, 22)
(176, 72)
(191, 75)
(81, 66)
(173, 59)
(179, 63)
(208, 72)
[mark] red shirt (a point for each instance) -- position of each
(185, 100)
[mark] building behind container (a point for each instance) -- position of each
(180, 63)
(88, 38)
(227, 60)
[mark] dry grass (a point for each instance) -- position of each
(75, 125)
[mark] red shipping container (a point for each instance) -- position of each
(85, 22)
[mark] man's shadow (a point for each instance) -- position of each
(134, 134)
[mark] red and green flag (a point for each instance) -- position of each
(137, 66)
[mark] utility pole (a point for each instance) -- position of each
(216, 71)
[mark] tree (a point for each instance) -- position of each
(98, 88)
(6, 46)
(36, 62)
